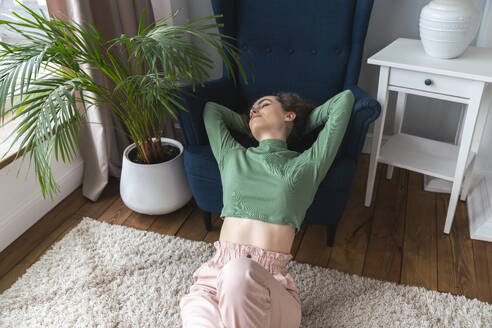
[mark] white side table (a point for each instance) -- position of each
(407, 69)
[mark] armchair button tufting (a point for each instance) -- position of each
(338, 51)
(245, 47)
(314, 51)
(291, 51)
(268, 49)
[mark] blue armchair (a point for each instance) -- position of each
(313, 48)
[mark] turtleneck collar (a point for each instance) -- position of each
(277, 144)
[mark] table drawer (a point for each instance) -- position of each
(431, 82)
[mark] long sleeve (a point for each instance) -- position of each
(335, 115)
(218, 119)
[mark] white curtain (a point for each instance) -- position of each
(189, 11)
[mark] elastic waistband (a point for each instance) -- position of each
(272, 261)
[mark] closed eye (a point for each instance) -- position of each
(264, 103)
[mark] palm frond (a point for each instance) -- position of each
(47, 77)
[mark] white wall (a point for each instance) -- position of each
(484, 159)
(190, 10)
(389, 20)
(425, 117)
(21, 200)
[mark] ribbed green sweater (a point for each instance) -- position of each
(270, 182)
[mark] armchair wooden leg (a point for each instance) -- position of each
(207, 219)
(331, 230)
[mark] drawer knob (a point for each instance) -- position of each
(428, 82)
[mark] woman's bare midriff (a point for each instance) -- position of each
(269, 236)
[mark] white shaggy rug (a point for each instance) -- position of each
(102, 275)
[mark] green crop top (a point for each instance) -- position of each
(270, 182)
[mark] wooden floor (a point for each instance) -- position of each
(399, 238)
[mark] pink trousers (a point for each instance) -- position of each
(242, 286)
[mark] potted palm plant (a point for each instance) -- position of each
(145, 70)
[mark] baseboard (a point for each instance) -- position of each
(21, 198)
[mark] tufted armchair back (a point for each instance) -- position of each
(311, 47)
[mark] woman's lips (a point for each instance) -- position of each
(255, 116)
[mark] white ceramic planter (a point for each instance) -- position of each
(155, 189)
(447, 27)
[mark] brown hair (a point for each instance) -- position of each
(291, 102)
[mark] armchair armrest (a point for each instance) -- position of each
(366, 110)
(220, 90)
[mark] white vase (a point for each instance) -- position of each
(447, 27)
(155, 189)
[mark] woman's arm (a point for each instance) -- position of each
(335, 115)
(218, 119)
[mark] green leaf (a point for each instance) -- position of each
(140, 90)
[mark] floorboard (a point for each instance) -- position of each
(354, 229)
(385, 249)
(419, 261)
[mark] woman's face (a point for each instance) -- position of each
(267, 115)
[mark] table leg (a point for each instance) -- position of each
(378, 132)
(477, 137)
(466, 138)
(401, 102)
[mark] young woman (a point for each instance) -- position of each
(266, 192)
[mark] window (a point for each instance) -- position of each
(6, 35)
(6, 9)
